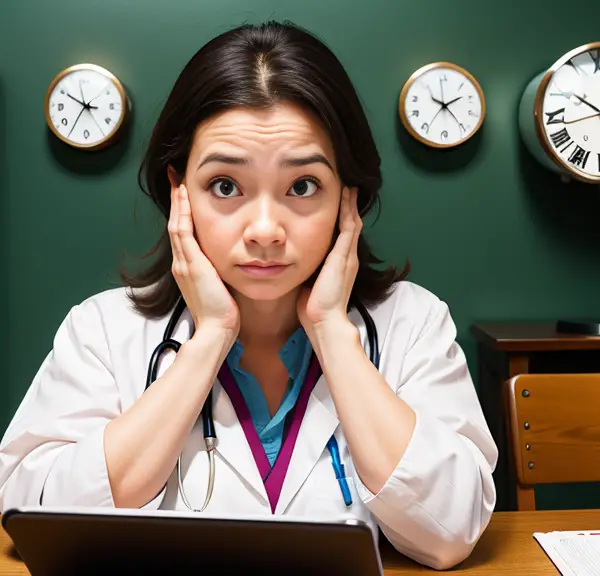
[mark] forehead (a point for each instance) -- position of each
(284, 125)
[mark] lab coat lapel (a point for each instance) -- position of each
(318, 425)
(232, 444)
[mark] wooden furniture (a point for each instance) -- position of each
(554, 427)
(505, 350)
(506, 547)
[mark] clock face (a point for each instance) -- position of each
(85, 106)
(442, 105)
(568, 112)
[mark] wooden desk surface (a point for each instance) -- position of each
(507, 546)
(532, 337)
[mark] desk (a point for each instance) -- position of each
(506, 548)
(505, 350)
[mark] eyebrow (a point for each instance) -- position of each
(286, 163)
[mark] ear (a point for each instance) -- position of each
(174, 177)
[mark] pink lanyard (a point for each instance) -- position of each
(272, 477)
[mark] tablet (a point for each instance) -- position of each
(91, 541)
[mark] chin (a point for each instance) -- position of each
(263, 291)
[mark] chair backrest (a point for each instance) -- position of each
(554, 426)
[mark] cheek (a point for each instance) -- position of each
(213, 237)
(313, 239)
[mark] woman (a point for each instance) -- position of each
(263, 164)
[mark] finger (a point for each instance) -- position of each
(189, 244)
(173, 228)
(343, 243)
(358, 223)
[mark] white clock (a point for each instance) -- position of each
(559, 115)
(86, 107)
(442, 105)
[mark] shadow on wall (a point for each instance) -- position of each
(568, 211)
(90, 163)
(442, 160)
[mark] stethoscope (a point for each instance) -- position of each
(208, 424)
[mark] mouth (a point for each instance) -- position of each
(262, 269)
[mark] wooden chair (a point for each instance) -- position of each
(554, 430)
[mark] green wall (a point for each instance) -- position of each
(486, 229)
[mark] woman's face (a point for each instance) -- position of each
(265, 195)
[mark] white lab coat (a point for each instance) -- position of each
(433, 507)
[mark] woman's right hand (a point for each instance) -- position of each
(207, 298)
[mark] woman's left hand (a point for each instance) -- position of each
(327, 301)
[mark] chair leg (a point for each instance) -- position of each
(525, 498)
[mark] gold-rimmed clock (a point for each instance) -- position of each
(86, 107)
(442, 105)
(559, 115)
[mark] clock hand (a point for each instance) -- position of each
(76, 120)
(584, 118)
(586, 102)
(453, 101)
(100, 93)
(442, 91)
(80, 102)
(453, 116)
(94, 119)
(81, 92)
(435, 116)
(433, 97)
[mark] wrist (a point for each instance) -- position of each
(335, 330)
(209, 337)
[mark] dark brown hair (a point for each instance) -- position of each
(257, 66)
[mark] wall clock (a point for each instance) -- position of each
(86, 107)
(442, 105)
(559, 115)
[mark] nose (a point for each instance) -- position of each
(264, 223)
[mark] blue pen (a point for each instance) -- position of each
(338, 468)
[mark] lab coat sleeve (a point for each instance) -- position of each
(439, 499)
(52, 453)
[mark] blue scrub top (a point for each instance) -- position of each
(295, 355)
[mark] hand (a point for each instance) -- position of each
(206, 296)
(581, 119)
(328, 298)
(587, 103)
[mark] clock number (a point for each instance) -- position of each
(471, 97)
(414, 99)
(579, 157)
(107, 120)
(86, 134)
(595, 60)
(585, 138)
(552, 117)
(471, 113)
(64, 121)
(444, 78)
(462, 128)
(559, 138)
(112, 105)
(576, 68)
(415, 113)
(425, 127)
(444, 134)
(61, 107)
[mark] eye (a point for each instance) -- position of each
(224, 188)
(304, 187)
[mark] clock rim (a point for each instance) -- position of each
(414, 77)
(125, 104)
(538, 113)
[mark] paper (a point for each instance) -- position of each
(573, 553)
